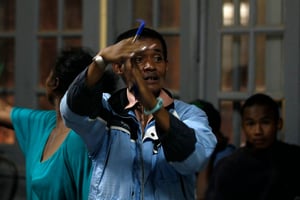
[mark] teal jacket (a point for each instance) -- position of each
(65, 174)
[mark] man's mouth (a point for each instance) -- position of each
(151, 78)
(259, 142)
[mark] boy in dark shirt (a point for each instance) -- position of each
(265, 168)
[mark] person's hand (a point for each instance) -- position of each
(121, 51)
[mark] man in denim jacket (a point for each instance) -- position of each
(144, 144)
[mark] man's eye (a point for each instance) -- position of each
(249, 123)
(138, 60)
(266, 121)
(158, 59)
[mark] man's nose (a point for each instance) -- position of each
(258, 128)
(148, 65)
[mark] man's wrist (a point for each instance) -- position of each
(159, 104)
(100, 62)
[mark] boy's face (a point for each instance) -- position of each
(260, 126)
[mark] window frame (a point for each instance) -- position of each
(203, 68)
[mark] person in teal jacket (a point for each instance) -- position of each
(144, 143)
(57, 161)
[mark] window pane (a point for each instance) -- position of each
(43, 103)
(269, 62)
(48, 52)
(7, 48)
(231, 124)
(269, 12)
(226, 110)
(234, 69)
(7, 15)
(143, 10)
(7, 136)
(73, 14)
(244, 12)
(235, 11)
(228, 12)
(72, 42)
(48, 15)
(260, 69)
(169, 14)
(173, 58)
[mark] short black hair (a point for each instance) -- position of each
(262, 100)
(146, 33)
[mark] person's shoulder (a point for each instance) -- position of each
(287, 156)
(230, 147)
(289, 148)
(233, 159)
(227, 150)
(186, 110)
(179, 104)
(228, 167)
(28, 113)
(33, 111)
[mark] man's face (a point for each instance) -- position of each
(151, 63)
(260, 126)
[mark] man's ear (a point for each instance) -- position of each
(117, 68)
(280, 124)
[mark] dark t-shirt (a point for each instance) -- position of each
(272, 173)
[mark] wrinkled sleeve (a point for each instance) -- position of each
(180, 142)
(190, 141)
(82, 100)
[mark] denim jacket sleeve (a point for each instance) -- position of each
(82, 100)
(179, 143)
(190, 142)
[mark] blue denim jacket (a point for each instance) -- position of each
(131, 163)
